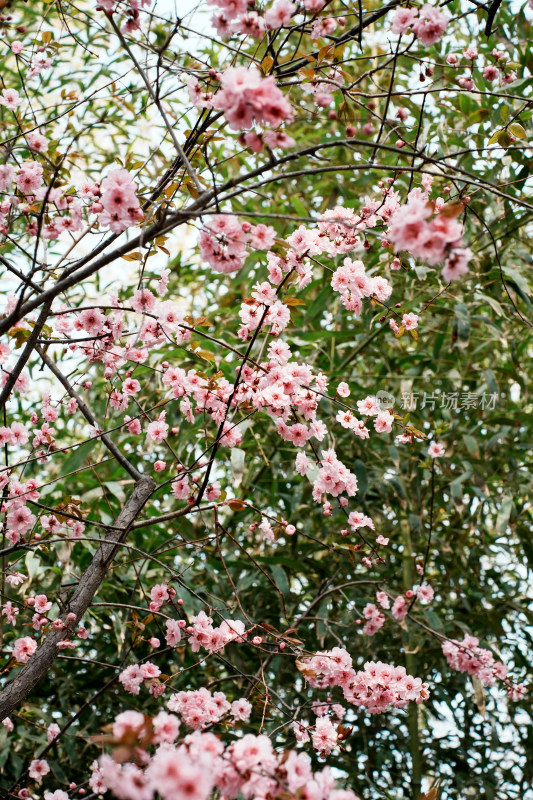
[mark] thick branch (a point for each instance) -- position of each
(41, 661)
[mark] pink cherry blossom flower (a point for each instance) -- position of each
(403, 19)
(436, 450)
(52, 732)
(410, 321)
(245, 96)
(42, 604)
(425, 593)
(131, 386)
(324, 736)
(38, 769)
(241, 709)
(10, 98)
(279, 15)
(343, 390)
(490, 73)
(157, 431)
(430, 25)
(173, 634)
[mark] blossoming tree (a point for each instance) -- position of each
(265, 425)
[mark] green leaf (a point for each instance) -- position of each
(462, 324)
(299, 206)
(78, 456)
(362, 479)
(504, 514)
(280, 578)
(495, 138)
(517, 130)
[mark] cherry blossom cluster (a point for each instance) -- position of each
(323, 88)
(245, 97)
(241, 17)
(37, 63)
(377, 687)
(224, 241)
(133, 15)
(467, 656)
(200, 763)
(427, 23)
(338, 231)
(430, 232)
(19, 518)
(375, 619)
(121, 207)
(41, 621)
(491, 71)
(199, 708)
(287, 391)
(114, 203)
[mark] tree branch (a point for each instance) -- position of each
(41, 661)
